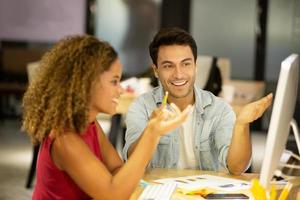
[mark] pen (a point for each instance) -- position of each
(257, 190)
(254, 189)
(262, 192)
(285, 191)
(164, 102)
(273, 193)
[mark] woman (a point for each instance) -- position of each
(78, 78)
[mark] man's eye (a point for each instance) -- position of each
(167, 66)
(187, 64)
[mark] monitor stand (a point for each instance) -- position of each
(295, 129)
(294, 159)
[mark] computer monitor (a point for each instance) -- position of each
(282, 114)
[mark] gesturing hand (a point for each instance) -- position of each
(164, 120)
(254, 110)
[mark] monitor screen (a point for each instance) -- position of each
(282, 114)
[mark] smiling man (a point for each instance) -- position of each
(213, 137)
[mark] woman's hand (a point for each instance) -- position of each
(163, 120)
(254, 110)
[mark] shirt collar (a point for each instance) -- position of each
(158, 95)
(202, 99)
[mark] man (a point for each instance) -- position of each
(213, 137)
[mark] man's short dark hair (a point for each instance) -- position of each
(171, 36)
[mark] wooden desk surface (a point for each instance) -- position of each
(153, 174)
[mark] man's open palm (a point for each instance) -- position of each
(254, 110)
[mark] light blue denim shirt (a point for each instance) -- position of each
(213, 130)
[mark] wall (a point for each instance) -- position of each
(41, 20)
(283, 35)
(226, 29)
(129, 25)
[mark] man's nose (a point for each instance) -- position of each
(178, 72)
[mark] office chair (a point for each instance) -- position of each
(31, 173)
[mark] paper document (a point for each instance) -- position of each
(196, 182)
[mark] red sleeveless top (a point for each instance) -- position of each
(52, 183)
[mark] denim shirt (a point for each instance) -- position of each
(212, 133)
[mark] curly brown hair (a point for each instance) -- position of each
(59, 96)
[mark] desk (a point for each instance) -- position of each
(153, 174)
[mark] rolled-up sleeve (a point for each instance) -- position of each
(223, 133)
(136, 121)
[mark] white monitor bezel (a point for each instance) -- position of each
(282, 114)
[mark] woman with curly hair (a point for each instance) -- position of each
(78, 78)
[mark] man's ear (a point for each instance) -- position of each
(196, 68)
(154, 67)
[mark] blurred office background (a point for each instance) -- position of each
(255, 35)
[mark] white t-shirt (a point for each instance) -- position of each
(187, 158)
